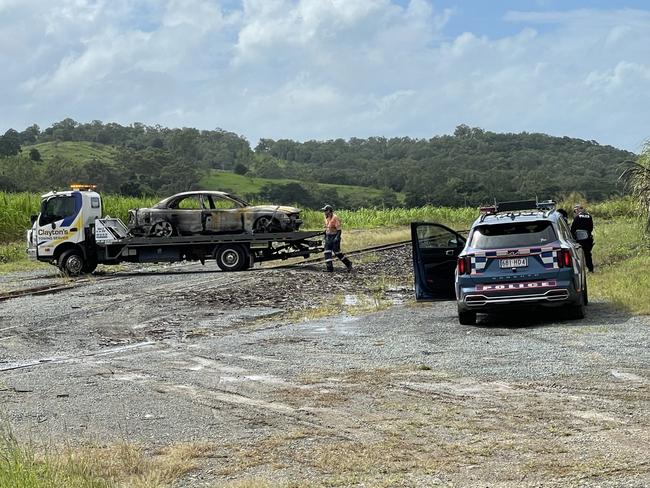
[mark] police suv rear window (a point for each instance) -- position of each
(513, 234)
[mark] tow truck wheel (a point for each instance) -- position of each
(71, 262)
(162, 229)
(466, 317)
(231, 257)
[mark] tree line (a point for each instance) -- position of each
(470, 167)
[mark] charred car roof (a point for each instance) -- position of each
(220, 194)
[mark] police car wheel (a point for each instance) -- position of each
(577, 310)
(466, 318)
(71, 262)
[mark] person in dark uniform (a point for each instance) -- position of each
(582, 229)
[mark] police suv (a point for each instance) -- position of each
(517, 254)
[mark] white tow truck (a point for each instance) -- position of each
(71, 233)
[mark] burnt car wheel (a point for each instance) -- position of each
(162, 229)
(267, 224)
(231, 257)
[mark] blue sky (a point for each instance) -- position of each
(322, 69)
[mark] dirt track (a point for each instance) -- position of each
(294, 375)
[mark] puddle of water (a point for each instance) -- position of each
(9, 365)
(627, 376)
(341, 325)
(258, 378)
(131, 377)
(595, 416)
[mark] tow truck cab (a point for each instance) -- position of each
(63, 226)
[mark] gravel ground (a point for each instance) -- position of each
(294, 375)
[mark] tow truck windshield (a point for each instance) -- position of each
(56, 208)
(513, 235)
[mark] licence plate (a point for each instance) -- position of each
(513, 263)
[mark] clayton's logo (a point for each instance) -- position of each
(52, 233)
(513, 251)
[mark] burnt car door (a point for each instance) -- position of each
(435, 252)
(226, 215)
(187, 214)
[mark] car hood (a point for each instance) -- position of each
(274, 208)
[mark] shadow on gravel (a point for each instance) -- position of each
(598, 313)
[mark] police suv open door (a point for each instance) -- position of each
(435, 252)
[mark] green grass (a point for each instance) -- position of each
(21, 468)
(74, 151)
(456, 218)
(14, 258)
(15, 209)
(119, 206)
(622, 264)
(245, 185)
(625, 284)
(119, 465)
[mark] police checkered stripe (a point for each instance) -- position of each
(548, 255)
(549, 258)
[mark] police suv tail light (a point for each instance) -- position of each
(564, 258)
(463, 265)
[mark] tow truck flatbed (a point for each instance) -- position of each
(233, 252)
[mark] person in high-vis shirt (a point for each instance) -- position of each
(333, 240)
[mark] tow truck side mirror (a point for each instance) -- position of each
(33, 218)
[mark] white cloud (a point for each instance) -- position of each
(323, 68)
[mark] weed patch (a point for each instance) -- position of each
(121, 465)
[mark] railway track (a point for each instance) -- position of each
(76, 283)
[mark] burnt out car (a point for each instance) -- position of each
(210, 212)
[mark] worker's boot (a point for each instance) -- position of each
(348, 264)
(329, 261)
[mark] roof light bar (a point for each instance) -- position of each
(517, 206)
(82, 186)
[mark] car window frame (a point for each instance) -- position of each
(228, 198)
(565, 230)
(174, 205)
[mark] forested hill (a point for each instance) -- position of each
(472, 166)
